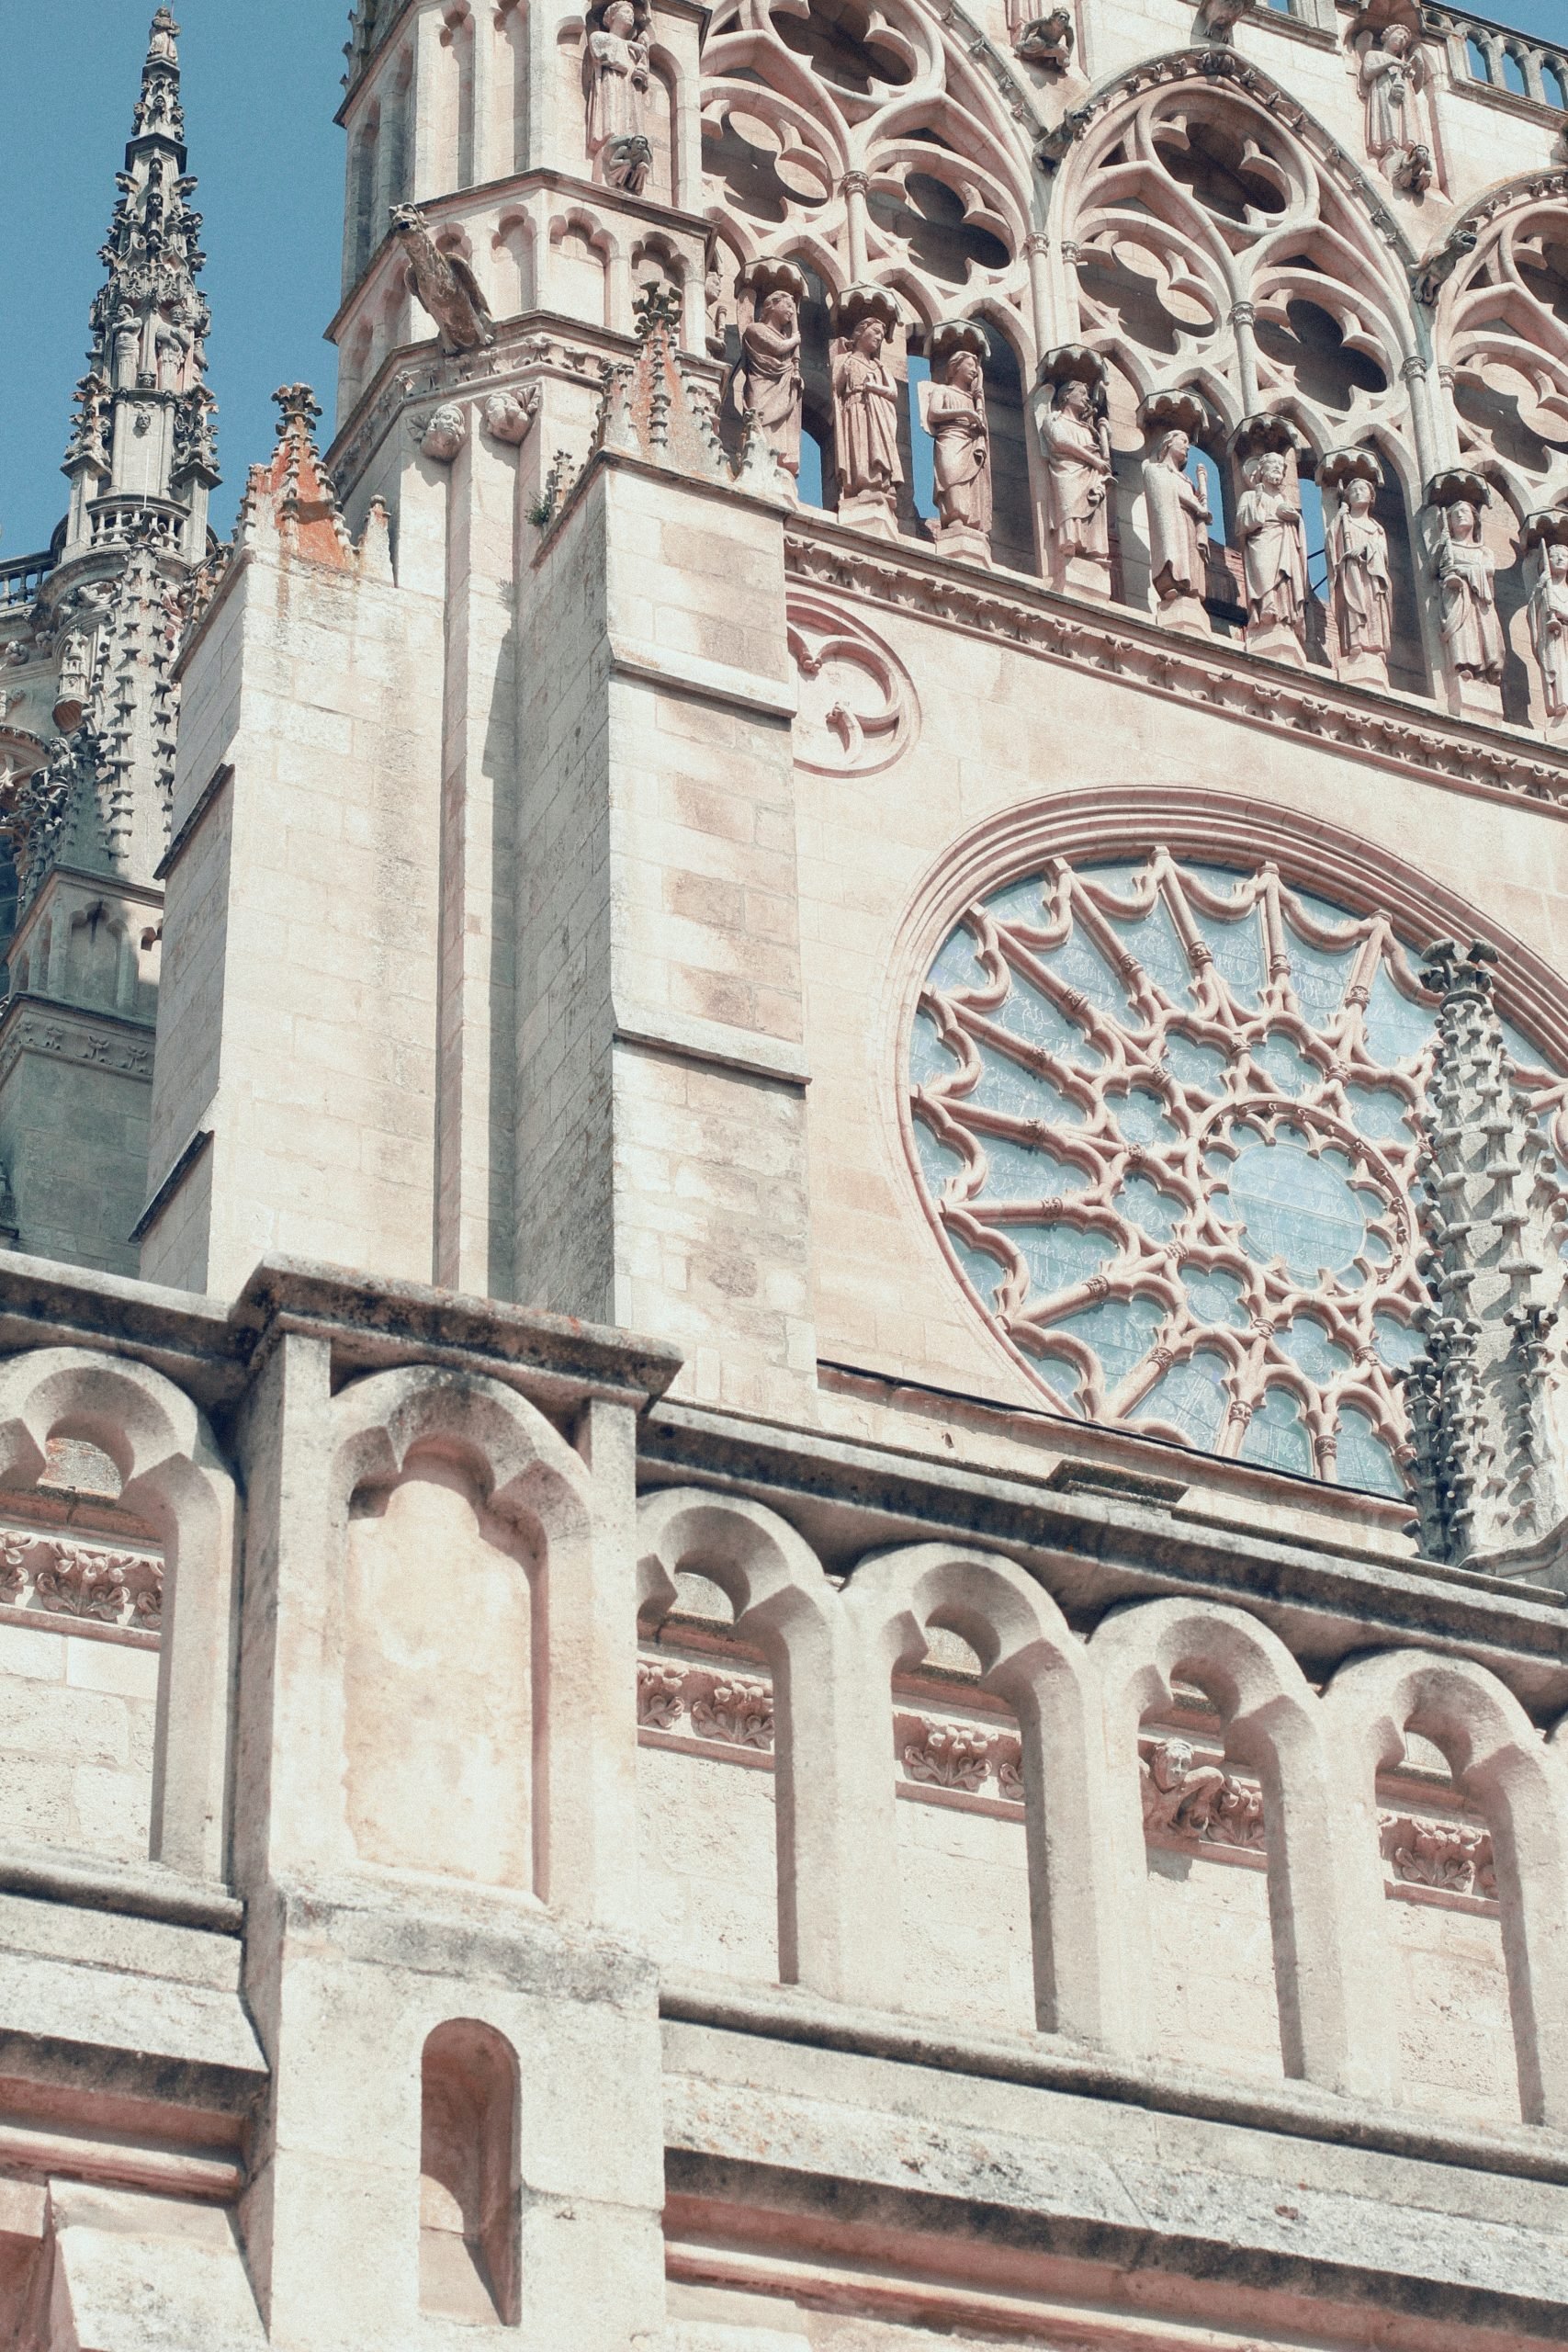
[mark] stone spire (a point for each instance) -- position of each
(1489, 1485)
(141, 456)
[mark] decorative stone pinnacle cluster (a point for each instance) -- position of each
(1488, 1487)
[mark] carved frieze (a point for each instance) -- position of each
(44, 1573)
(858, 708)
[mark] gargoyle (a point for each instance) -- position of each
(445, 283)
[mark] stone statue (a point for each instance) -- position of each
(1360, 589)
(127, 350)
(865, 408)
(1179, 532)
(1273, 545)
(767, 382)
(1392, 72)
(617, 72)
(1078, 477)
(953, 413)
(1549, 625)
(445, 283)
(1467, 594)
(719, 309)
(172, 350)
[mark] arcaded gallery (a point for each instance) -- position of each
(784, 1102)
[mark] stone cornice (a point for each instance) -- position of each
(41, 1025)
(1388, 730)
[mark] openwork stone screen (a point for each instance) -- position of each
(1165, 1119)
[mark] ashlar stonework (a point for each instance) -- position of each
(783, 1102)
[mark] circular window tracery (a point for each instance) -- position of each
(1166, 1118)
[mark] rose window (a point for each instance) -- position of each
(1164, 1116)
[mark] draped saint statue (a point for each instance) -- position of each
(767, 383)
(1549, 624)
(1391, 75)
(617, 79)
(865, 403)
(1079, 474)
(954, 412)
(1273, 547)
(1179, 522)
(1467, 592)
(1360, 584)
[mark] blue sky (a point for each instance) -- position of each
(261, 80)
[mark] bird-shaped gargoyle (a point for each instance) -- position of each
(445, 283)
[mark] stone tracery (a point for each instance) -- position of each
(1165, 1117)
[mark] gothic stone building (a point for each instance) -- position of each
(783, 1480)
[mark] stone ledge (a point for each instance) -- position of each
(1048, 2063)
(1384, 730)
(1093, 1552)
(690, 1038)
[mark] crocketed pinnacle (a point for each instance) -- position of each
(1486, 1481)
(144, 424)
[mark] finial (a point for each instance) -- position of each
(164, 34)
(301, 410)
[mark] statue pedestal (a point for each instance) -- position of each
(1275, 642)
(873, 511)
(1085, 575)
(1473, 698)
(961, 540)
(1362, 669)
(1186, 614)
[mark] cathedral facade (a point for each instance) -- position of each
(784, 1100)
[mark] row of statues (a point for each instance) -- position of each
(767, 388)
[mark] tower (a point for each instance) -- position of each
(91, 778)
(729, 1622)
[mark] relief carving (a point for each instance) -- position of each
(123, 1588)
(659, 1695)
(1453, 1855)
(950, 1756)
(738, 1711)
(1184, 1798)
(858, 710)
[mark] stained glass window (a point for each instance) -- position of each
(1165, 1119)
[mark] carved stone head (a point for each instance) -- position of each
(1463, 520)
(1169, 1764)
(1074, 396)
(1396, 40)
(1358, 495)
(963, 371)
(869, 337)
(779, 312)
(1176, 449)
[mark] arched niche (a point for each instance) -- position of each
(908, 1610)
(469, 2217)
(509, 133)
(1512, 1780)
(455, 1507)
(164, 1558)
(1267, 1723)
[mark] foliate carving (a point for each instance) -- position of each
(108, 1587)
(1454, 1856)
(738, 1711)
(950, 1756)
(660, 1695)
(858, 710)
